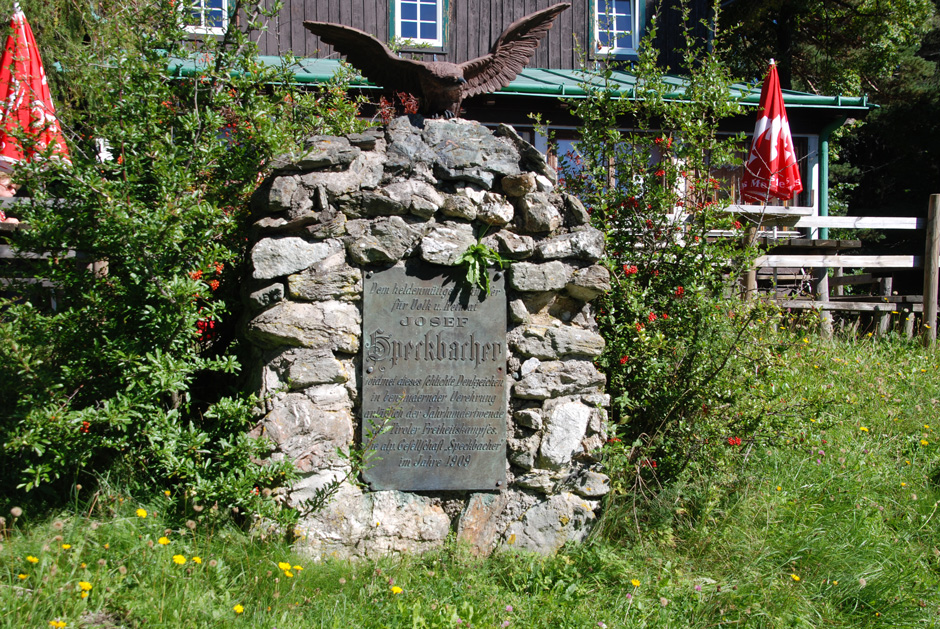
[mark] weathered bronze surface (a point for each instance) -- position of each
(434, 379)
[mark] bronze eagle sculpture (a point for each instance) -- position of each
(441, 86)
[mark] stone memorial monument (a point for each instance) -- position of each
(478, 413)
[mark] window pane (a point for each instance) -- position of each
(623, 23)
(604, 23)
(568, 157)
(215, 18)
(409, 11)
(428, 30)
(429, 12)
(624, 40)
(215, 4)
(409, 30)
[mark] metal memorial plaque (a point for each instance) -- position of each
(434, 380)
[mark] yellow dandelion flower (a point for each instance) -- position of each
(238, 609)
(835, 583)
(863, 428)
(166, 492)
(197, 559)
(22, 576)
(179, 559)
(84, 585)
(298, 568)
(163, 541)
(396, 590)
(924, 442)
(635, 582)
(58, 624)
(779, 488)
(903, 484)
(141, 513)
(32, 559)
(795, 577)
(288, 574)
(66, 546)
(283, 565)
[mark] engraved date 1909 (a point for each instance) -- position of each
(461, 460)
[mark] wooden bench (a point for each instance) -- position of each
(821, 255)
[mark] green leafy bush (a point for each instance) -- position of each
(134, 371)
(682, 347)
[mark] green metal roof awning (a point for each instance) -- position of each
(559, 83)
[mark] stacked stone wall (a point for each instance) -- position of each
(423, 191)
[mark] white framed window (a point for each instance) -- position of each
(616, 27)
(207, 17)
(419, 21)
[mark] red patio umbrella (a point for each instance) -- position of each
(25, 102)
(771, 170)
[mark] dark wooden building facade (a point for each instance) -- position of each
(469, 27)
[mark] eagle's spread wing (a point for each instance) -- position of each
(510, 53)
(370, 56)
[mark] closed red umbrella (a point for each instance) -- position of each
(771, 170)
(25, 101)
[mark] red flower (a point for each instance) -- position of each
(737, 225)
(629, 270)
(680, 292)
(218, 267)
(649, 224)
(214, 284)
(206, 329)
(639, 326)
(734, 441)
(624, 359)
(85, 426)
(652, 317)
(665, 316)
(195, 275)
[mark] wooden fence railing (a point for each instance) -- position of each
(821, 255)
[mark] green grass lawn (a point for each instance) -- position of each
(830, 522)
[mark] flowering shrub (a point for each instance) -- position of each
(678, 335)
(131, 374)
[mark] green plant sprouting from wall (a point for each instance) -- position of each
(476, 260)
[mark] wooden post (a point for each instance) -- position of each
(931, 268)
(821, 293)
(840, 289)
(885, 286)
